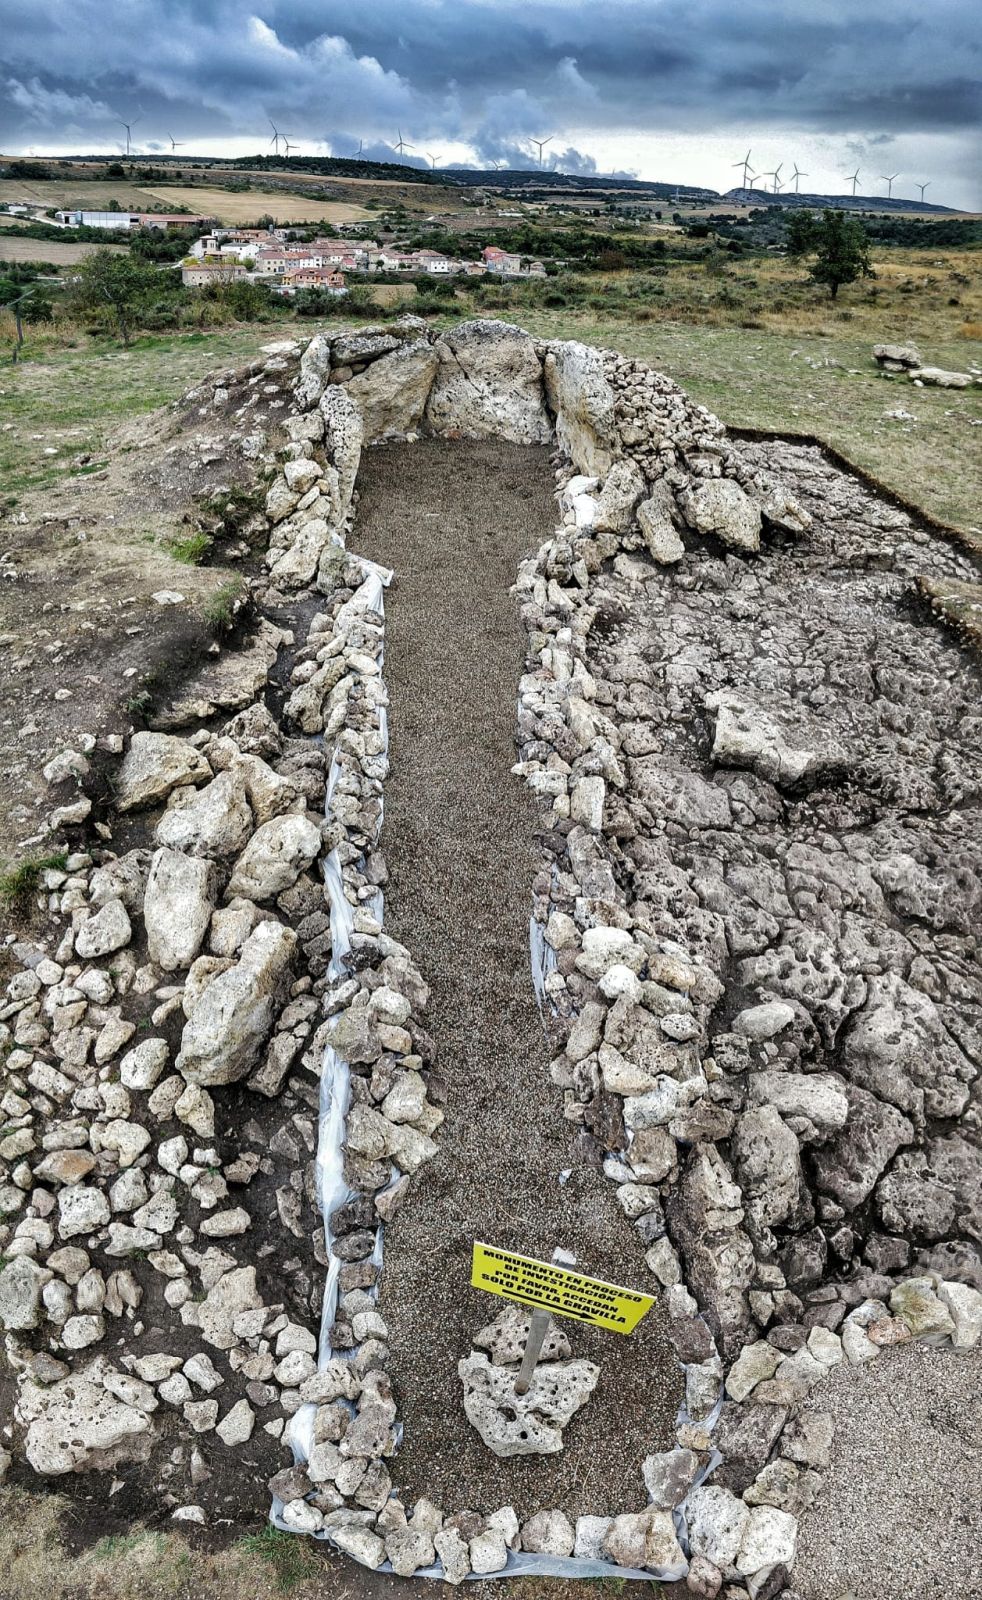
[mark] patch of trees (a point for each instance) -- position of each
(945, 233)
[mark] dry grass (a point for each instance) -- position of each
(231, 208)
(50, 251)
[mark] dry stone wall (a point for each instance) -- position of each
(758, 769)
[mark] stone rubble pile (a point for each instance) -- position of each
(756, 900)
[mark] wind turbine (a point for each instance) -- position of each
(275, 140)
(289, 146)
(361, 146)
(889, 181)
(745, 164)
(853, 178)
(542, 144)
(776, 176)
(922, 187)
(796, 175)
(129, 126)
(401, 144)
(432, 160)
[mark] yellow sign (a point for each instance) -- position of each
(556, 1289)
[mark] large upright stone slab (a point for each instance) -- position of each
(583, 404)
(488, 385)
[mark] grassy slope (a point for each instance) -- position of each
(72, 399)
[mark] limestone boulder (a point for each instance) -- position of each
(107, 931)
(939, 378)
(656, 518)
(213, 821)
(748, 736)
(154, 764)
(315, 369)
(897, 357)
(720, 506)
(618, 499)
(275, 856)
(582, 401)
(77, 1425)
(298, 563)
(529, 1424)
(343, 436)
(21, 1282)
(488, 385)
(232, 1020)
(391, 394)
(177, 907)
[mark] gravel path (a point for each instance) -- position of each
(454, 519)
(900, 1513)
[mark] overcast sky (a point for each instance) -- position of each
(674, 90)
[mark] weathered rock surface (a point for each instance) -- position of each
(233, 1018)
(275, 856)
(392, 393)
(177, 907)
(488, 384)
(154, 764)
(529, 1424)
(77, 1425)
(582, 402)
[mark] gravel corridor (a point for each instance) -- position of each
(453, 520)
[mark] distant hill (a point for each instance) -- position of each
(843, 202)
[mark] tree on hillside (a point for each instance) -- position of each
(843, 251)
(800, 233)
(111, 284)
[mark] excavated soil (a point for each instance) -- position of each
(454, 520)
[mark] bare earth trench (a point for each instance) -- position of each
(453, 520)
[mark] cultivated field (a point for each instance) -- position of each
(50, 250)
(232, 208)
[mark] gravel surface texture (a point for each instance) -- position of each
(900, 1513)
(454, 519)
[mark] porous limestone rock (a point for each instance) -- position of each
(720, 506)
(618, 499)
(213, 821)
(107, 931)
(548, 1533)
(343, 435)
(234, 1017)
(488, 385)
(154, 764)
(77, 1425)
(177, 907)
(275, 856)
(656, 519)
(529, 1424)
(747, 736)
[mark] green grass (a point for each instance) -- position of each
(290, 1557)
(190, 551)
(78, 396)
(19, 883)
(220, 608)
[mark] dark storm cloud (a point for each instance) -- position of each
(493, 73)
